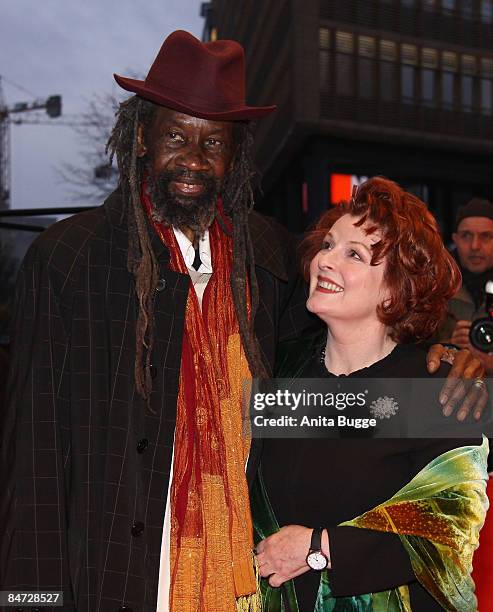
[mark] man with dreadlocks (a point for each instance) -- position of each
(137, 325)
(133, 338)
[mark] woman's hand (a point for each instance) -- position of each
(282, 556)
(461, 384)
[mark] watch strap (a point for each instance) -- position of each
(316, 542)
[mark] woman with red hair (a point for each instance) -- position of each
(363, 524)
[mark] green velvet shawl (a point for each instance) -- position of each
(437, 515)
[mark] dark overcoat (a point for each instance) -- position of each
(85, 466)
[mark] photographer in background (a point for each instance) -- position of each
(473, 239)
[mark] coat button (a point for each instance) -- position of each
(153, 371)
(125, 609)
(161, 284)
(137, 529)
(142, 445)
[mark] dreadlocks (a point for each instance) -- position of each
(238, 199)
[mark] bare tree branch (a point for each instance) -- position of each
(95, 178)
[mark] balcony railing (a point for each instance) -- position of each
(417, 19)
(407, 117)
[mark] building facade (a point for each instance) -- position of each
(400, 88)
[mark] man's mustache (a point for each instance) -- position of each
(185, 176)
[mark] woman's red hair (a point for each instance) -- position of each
(420, 274)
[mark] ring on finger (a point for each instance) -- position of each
(449, 355)
(479, 384)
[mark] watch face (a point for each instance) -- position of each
(317, 560)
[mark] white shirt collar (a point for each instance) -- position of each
(188, 252)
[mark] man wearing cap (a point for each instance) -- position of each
(137, 325)
(473, 239)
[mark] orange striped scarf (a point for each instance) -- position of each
(211, 528)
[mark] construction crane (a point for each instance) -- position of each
(53, 107)
(4, 153)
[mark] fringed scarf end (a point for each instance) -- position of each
(253, 602)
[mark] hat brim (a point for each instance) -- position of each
(242, 113)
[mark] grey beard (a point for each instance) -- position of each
(195, 213)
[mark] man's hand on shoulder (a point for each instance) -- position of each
(462, 389)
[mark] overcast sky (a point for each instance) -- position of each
(72, 49)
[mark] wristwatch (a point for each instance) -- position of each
(315, 558)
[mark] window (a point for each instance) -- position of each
(486, 86)
(448, 90)
(468, 70)
(449, 61)
(486, 96)
(388, 81)
(323, 55)
(344, 42)
(428, 87)
(448, 6)
(430, 5)
(366, 46)
(448, 78)
(429, 57)
(388, 50)
(344, 64)
(409, 54)
(429, 63)
(409, 59)
(487, 67)
(467, 9)
(486, 9)
(466, 89)
(324, 38)
(366, 67)
(387, 69)
(324, 63)
(366, 78)
(468, 64)
(344, 75)
(408, 87)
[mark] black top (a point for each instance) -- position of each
(322, 482)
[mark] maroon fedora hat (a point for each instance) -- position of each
(205, 80)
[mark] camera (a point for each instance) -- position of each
(481, 331)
